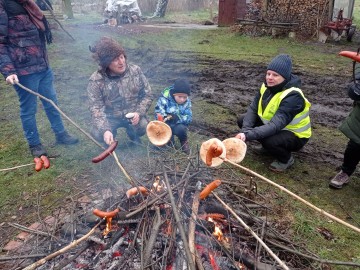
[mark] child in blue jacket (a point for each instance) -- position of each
(174, 104)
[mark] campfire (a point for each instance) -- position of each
(176, 218)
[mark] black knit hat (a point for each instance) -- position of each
(180, 86)
(281, 64)
(106, 50)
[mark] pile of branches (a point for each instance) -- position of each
(171, 224)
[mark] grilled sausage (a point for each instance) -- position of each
(38, 164)
(103, 214)
(210, 187)
(135, 190)
(106, 153)
(46, 162)
(213, 152)
(352, 55)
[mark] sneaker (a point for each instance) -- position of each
(339, 180)
(38, 150)
(278, 166)
(66, 138)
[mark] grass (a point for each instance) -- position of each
(23, 188)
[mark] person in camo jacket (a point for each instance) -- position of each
(116, 89)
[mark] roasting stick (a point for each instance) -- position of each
(78, 127)
(194, 212)
(293, 194)
(178, 222)
(272, 254)
(63, 250)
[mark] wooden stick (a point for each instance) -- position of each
(192, 224)
(293, 195)
(63, 250)
(78, 127)
(272, 254)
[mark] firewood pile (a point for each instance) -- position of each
(305, 17)
(171, 220)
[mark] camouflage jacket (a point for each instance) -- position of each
(22, 50)
(116, 96)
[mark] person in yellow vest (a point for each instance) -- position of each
(278, 116)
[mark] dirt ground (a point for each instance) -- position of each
(233, 84)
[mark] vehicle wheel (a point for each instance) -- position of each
(350, 33)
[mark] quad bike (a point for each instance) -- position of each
(340, 27)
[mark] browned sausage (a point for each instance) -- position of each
(135, 190)
(106, 153)
(38, 164)
(102, 214)
(213, 152)
(210, 187)
(45, 161)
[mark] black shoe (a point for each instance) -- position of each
(185, 147)
(66, 138)
(38, 150)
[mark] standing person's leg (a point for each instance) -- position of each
(351, 160)
(46, 89)
(280, 146)
(28, 108)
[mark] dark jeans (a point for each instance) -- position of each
(351, 157)
(42, 83)
(132, 131)
(180, 131)
(281, 144)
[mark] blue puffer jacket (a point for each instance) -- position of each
(166, 104)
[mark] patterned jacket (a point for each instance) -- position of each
(115, 96)
(22, 51)
(166, 104)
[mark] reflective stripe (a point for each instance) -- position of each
(297, 120)
(299, 129)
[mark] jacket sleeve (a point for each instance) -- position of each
(289, 107)
(97, 106)
(145, 95)
(6, 65)
(186, 116)
(160, 106)
(251, 114)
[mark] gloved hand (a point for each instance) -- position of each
(173, 119)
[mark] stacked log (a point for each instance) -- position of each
(310, 15)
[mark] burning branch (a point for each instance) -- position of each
(61, 251)
(272, 254)
(178, 222)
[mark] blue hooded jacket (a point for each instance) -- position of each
(166, 104)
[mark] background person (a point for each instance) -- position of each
(278, 117)
(351, 129)
(114, 90)
(175, 103)
(24, 32)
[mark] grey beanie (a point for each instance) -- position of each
(281, 64)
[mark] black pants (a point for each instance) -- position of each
(281, 144)
(180, 131)
(351, 157)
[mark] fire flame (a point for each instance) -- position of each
(158, 184)
(108, 226)
(217, 230)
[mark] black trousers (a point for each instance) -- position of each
(281, 144)
(180, 131)
(351, 157)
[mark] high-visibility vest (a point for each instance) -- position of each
(300, 125)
